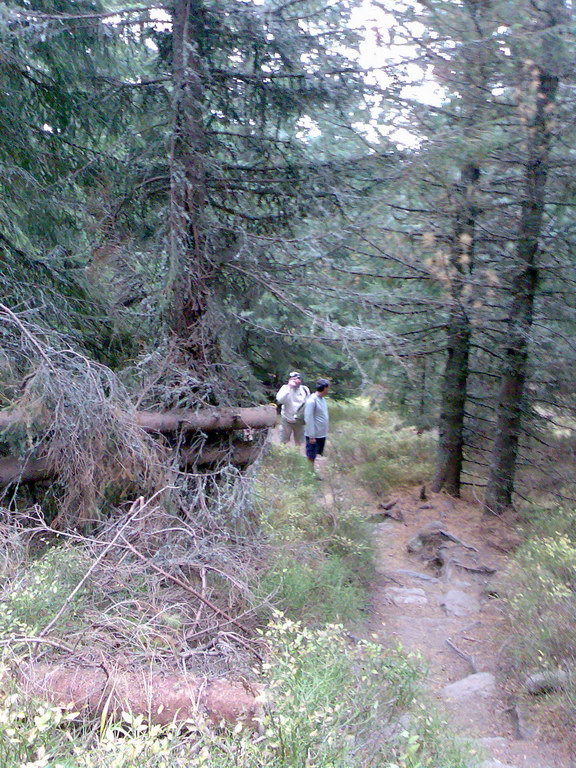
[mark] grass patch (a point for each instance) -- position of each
(377, 450)
(322, 590)
(540, 595)
(319, 559)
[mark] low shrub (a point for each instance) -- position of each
(318, 558)
(30, 601)
(540, 595)
(428, 742)
(378, 450)
(327, 699)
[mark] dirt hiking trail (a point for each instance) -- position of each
(436, 600)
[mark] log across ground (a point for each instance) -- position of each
(31, 469)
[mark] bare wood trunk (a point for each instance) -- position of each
(238, 454)
(160, 698)
(15, 470)
(504, 454)
(258, 417)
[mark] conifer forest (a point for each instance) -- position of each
(196, 198)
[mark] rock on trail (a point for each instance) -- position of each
(433, 595)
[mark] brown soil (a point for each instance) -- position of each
(424, 627)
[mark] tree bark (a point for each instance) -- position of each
(160, 698)
(191, 268)
(450, 454)
(455, 379)
(504, 454)
(16, 470)
(258, 417)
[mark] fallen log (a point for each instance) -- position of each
(238, 454)
(16, 470)
(258, 417)
(159, 698)
(205, 420)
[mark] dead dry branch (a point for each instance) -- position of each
(159, 584)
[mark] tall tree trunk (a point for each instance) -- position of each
(545, 77)
(455, 379)
(191, 267)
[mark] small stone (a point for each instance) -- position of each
(495, 764)
(479, 684)
(392, 731)
(546, 682)
(417, 542)
(458, 603)
(407, 595)
(524, 730)
(493, 742)
(417, 575)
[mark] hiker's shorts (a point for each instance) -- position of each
(290, 429)
(315, 449)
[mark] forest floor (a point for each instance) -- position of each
(452, 618)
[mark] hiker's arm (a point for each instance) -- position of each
(283, 393)
(309, 419)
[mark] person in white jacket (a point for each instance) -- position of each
(292, 397)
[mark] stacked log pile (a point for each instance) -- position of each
(30, 469)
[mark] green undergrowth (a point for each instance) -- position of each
(329, 703)
(318, 557)
(33, 596)
(377, 450)
(540, 593)
(332, 700)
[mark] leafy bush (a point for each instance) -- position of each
(378, 451)
(30, 602)
(429, 743)
(541, 600)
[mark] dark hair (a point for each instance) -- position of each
(322, 384)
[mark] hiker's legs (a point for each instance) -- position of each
(311, 451)
(298, 432)
(285, 430)
(320, 444)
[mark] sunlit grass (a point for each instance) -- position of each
(376, 449)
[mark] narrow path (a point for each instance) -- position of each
(423, 609)
(450, 616)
